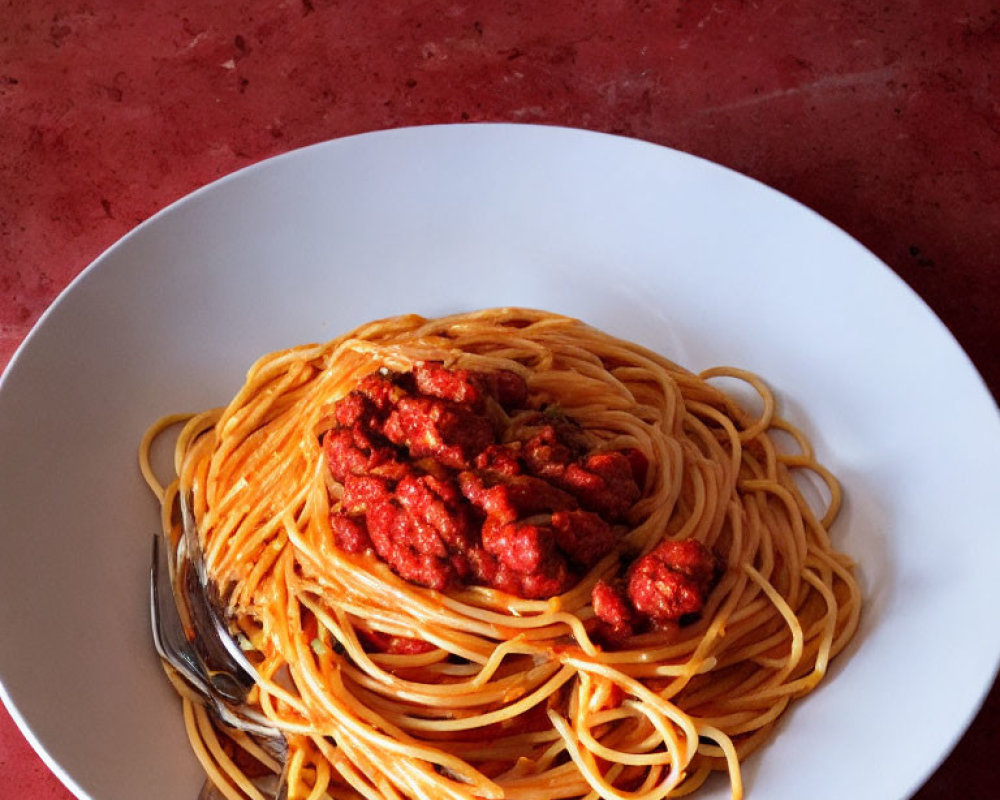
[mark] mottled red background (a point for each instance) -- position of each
(882, 116)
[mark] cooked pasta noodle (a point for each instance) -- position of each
(512, 697)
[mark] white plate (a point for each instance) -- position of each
(684, 256)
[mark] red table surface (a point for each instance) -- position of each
(883, 117)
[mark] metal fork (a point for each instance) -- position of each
(210, 663)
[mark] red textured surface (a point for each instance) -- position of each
(884, 117)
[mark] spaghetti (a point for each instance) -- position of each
(387, 688)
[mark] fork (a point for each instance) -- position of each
(210, 664)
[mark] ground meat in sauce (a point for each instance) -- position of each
(617, 618)
(667, 585)
(607, 482)
(394, 645)
(430, 489)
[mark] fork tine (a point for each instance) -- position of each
(168, 632)
(227, 665)
(212, 664)
(226, 675)
(173, 646)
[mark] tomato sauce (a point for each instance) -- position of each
(430, 488)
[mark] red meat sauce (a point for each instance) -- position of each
(667, 585)
(432, 491)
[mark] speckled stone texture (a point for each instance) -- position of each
(883, 117)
